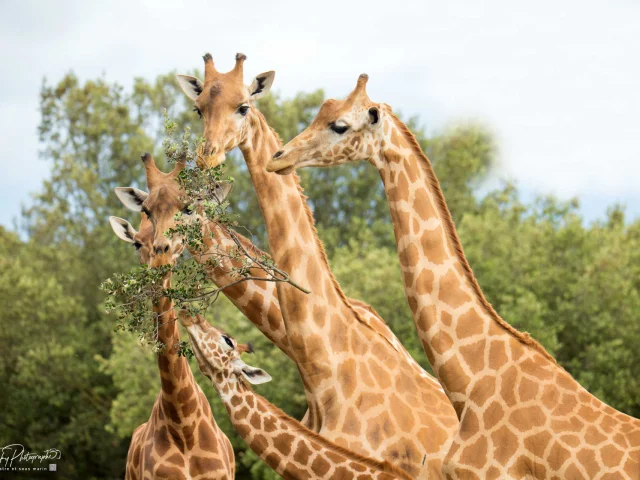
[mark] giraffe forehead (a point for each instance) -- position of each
(163, 210)
(352, 118)
(215, 89)
(329, 111)
(163, 194)
(222, 93)
(333, 110)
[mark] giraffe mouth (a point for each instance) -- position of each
(185, 319)
(205, 160)
(280, 166)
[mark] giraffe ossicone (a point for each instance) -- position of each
(521, 414)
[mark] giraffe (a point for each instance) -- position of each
(288, 447)
(364, 390)
(521, 414)
(181, 439)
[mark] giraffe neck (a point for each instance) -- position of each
(256, 299)
(288, 447)
(296, 249)
(180, 395)
(445, 298)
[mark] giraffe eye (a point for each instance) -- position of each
(188, 210)
(340, 129)
(138, 245)
(243, 110)
(228, 341)
(197, 110)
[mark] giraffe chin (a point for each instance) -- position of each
(285, 170)
(209, 161)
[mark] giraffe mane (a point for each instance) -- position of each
(382, 465)
(320, 245)
(450, 229)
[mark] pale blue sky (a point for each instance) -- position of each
(558, 82)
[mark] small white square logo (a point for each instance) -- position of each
(52, 467)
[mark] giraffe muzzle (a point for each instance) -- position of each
(208, 157)
(281, 166)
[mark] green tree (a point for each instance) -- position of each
(600, 315)
(53, 394)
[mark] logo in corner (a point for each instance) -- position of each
(15, 458)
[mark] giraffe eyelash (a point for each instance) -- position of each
(340, 129)
(228, 341)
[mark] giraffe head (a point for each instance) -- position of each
(142, 239)
(160, 205)
(225, 104)
(343, 131)
(218, 354)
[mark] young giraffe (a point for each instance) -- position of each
(289, 448)
(522, 415)
(365, 392)
(181, 439)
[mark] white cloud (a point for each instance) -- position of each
(557, 81)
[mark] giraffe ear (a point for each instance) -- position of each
(222, 191)
(123, 229)
(191, 86)
(132, 198)
(254, 375)
(374, 115)
(261, 85)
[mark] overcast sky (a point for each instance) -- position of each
(558, 82)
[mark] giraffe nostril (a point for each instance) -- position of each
(166, 248)
(278, 153)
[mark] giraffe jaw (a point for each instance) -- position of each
(285, 171)
(280, 167)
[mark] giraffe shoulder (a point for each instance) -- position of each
(371, 318)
